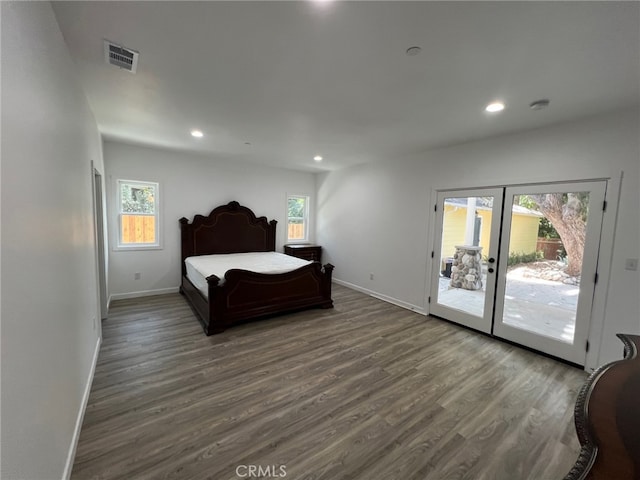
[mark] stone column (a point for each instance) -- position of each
(466, 271)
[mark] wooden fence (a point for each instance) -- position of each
(138, 229)
(549, 247)
(142, 229)
(296, 231)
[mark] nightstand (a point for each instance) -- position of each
(307, 252)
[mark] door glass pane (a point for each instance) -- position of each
(546, 247)
(466, 234)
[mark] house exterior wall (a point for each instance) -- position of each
(524, 231)
(524, 234)
(453, 231)
(485, 231)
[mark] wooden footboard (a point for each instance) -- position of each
(245, 295)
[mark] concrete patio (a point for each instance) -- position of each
(541, 306)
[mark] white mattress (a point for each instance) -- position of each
(203, 266)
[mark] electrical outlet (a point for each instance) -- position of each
(631, 264)
(137, 276)
(371, 276)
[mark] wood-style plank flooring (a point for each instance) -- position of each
(366, 390)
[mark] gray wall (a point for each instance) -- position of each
(378, 218)
(49, 292)
(189, 184)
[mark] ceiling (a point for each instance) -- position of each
(280, 82)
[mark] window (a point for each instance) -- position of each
(297, 218)
(138, 214)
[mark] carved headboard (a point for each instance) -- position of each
(229, 228)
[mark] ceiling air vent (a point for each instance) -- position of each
(121, 57)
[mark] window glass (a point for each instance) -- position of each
(137, 214)
(297, 218)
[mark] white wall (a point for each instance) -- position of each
(189, 184)
(377, 218)
(49, 293)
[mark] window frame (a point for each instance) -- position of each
(118, 245)
(305, 218)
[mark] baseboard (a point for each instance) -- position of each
(85, 400)
(143, 293)
(385, 298)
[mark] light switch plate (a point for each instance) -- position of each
(631, 264)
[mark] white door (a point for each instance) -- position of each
(464, 257)
(547, 305)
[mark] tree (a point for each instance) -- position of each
(296, 209)
(137, 198)
(546, 230)
(567, 212)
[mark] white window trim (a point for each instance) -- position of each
(306, 218)
(117, 245)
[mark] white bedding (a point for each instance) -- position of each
(203, 266)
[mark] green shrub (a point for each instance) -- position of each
(516, 258)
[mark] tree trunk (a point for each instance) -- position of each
(567, 219)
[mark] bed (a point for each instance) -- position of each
(243, 294)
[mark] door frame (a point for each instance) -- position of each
(100, 247)
(605, 254)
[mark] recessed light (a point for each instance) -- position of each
(539, 104)
(413, 51)
(317, 158)
(197, 133)
(494, 107)
(321, 4)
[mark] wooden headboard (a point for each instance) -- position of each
(229, 228)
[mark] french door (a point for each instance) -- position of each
(549, 308)
(464, 259)
(491, 272)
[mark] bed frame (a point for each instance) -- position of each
(245, 295)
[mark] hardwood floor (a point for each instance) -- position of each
(366, 390)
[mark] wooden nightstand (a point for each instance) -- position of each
(307, 252)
